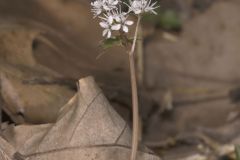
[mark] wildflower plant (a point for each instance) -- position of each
(115, 23)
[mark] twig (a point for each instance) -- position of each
(134, 95)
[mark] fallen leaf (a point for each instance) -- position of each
(26, 102)
(87, 128)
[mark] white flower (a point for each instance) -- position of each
(110, 4)
(143, 6)
(97, 7)
(101, 6)
(107, 25)
(122, 22)
(126, 24)
(113, 19)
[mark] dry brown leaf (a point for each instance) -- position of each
(26, 102)
(6, 150)
(16, 44)
(87, 128)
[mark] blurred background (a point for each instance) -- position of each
(188, 70)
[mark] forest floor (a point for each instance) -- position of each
(189, 96)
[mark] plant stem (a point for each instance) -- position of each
(0, 117)
(135, 107)
(140, 57)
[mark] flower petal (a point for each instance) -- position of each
(110, 19)
(104, 32)
(137, 11)
(115, 3)
(154, 12)
(125, 29)
(107, 8)
(129, 23)
(117, 18)
(104, 25)
(109, 34)
(116, 27)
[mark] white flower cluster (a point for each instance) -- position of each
(112, 17)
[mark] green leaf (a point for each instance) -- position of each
(111, 42)
(237, 151)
